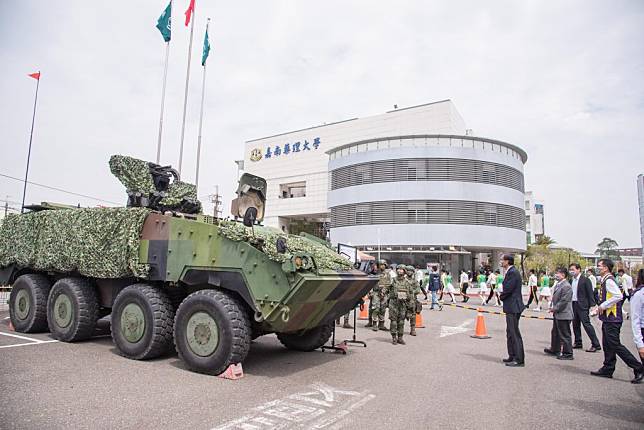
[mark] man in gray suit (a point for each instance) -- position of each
(561, 309)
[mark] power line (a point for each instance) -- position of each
(60, 189)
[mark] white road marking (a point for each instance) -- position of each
(22, 337)
(27, 344)
(7, 318)
(315, 409)
(449, 330)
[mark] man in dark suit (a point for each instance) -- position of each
(512, 306)
(583, 298)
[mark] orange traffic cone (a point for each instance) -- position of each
(234, 371)
(364, 309)
(419, 321)
(11, 327)
(481, 331)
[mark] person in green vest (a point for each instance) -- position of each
(449, 285)
(482, 281)
(544, 291)
(499, 283)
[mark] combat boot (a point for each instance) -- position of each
(401, 341)
(412, 332)
(394, 340)
(374, 326)
(381, 326)
(346, 323)
(369, 324)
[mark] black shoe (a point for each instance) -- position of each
(515, 364)
(594, 349)
(577, 347)
(508, 360)
(602, 374)
(565, 357)
(638, 377)
(549, 351)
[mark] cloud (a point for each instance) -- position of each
(561, 80)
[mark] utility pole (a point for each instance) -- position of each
(216, 199)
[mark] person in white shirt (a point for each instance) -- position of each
(532, 287)
(465, 282)
(637, 319)
(491, 281)
(627, 286)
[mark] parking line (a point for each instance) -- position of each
(26, 344)
(24, 337)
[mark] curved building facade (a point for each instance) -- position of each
(428, 193)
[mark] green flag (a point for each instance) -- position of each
(165, 22)
(206, 48)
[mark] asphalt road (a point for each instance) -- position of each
(441, 379)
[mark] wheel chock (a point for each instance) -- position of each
(233, 372)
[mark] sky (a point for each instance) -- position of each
(561, 79)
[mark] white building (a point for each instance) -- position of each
(534, 222)
(411, 183)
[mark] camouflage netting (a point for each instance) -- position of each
(140, 181)
(96, 242)
(324, 257)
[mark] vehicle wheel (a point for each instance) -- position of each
(308, 340)
(212, 331)
(72, 309)
(28, 303)
(142, 321)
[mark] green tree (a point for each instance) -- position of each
(545, 241)
(607, 248)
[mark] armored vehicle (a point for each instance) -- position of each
(167, 276)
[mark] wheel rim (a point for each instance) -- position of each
(22, 305)
(202, 333)
(132, 322)
(63, 311)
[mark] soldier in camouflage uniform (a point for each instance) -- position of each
(379, 297)
(413, 300)
(399, 296)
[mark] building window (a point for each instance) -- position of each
(489, 215)
(362, 214)
(293, 190)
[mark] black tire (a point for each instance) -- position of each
(308, 340)
(28, 309)
(157, 316)
(75, 301)
(232, 325)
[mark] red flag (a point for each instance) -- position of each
(36, 75)
(189, 12)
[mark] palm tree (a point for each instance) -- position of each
(545, 241)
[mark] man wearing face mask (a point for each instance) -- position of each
(583, 298)
(561, 309)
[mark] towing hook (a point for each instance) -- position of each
(258, 316)
(285, 313)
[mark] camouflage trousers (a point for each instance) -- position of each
(411, 312)
(397, 313)
(377, 307)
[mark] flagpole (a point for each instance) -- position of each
(165, 76)
(203, 92)
(31, 135)
(185, 96)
